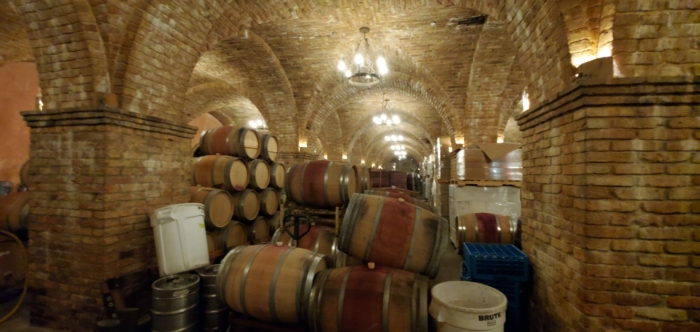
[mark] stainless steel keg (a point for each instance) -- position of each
(175, 303)
(214, 314)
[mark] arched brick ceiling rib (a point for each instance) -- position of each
(14, 42)
(369, 124)
(491, 67)
(395, 83)
(224, 99)
(332, 138)
(248, 60)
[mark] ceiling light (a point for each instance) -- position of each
(363, 71)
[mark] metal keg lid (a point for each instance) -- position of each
(208, 271)
(168, 284)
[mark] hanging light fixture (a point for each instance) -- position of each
(364, 70)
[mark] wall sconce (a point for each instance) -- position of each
(325, 156)
(499, 139)
(345, 156)
(459, 140)
(302, 142)
(449, 149)
(526, 101)
(373, 165)
(362, 161)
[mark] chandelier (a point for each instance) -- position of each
(393, 138)
(362, 71)
(384, 118)
(257, 124)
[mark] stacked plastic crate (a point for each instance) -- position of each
(504, 267)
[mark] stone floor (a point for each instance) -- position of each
(20, 322)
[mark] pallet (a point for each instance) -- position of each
(331, 218)
(486, 183)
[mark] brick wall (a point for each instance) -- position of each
(611, 220)
(657, 38)
(96, 175)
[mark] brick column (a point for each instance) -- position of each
(611, 206)
(95, 176)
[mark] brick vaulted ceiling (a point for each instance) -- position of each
(277, 60)
(431, 58)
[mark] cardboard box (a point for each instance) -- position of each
(488, 161)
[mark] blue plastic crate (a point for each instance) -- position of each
(496, 261)
(513, 290)
(514, 319)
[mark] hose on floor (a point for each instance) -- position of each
(24, 291)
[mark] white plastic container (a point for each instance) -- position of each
(467, 306)
(181, 241)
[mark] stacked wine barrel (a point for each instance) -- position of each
(239, 180)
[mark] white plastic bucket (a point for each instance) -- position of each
(467, 306)
(181, 241)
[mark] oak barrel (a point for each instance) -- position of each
(14, 211)
(220, 172)
(361, 299)
(24, 173)
(277, 175)
(13, 261)
(319, 239)
(259, 231)
(485, 228)
(259, 172)
(234, 235)
(213, 314)
(214, 241)
(269, 282)
(342, 260)
(321, 184)
(363, 175)
(174, 305)
(397, 195)
(228, 140)
(274, 222)
(394, 233)
(269, 148)
(269, 201)
(218, 208)
(396, 190)
(246, 205)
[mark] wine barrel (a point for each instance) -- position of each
(174, 305)
(220, 172)
(227, 140)
(361, 299)
(269, 148)
(363, 175)
(214, 241)
(396, 190)
(218, 209)
(321, 184)
(259, 172)
(269, 202)
(319, 239)
(246, 205)
(24, 173)
(277, 175)
(274, 222)
(342, 260)
(394, 233)
(14, 211)
(269, 282)
(235, 235)
(13, 261)
(397, 195)
(259, 231)
(213, 314)
(485, 228)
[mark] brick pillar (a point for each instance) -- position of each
(611, 206)
(95, 177)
